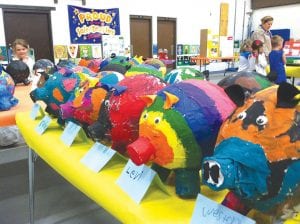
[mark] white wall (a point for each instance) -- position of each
(190, 16)
(285, 17)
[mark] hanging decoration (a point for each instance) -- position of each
(88, 25)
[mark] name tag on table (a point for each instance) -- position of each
(209, 211)
(70, 132)
(36, 108)
(43, 125)
(34, 111)
(97, 157)
(135, 180)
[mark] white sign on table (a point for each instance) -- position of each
(34, 111)
(43, 125)
(135, 180)
(98, 156)
(70, 132)
(209, 211)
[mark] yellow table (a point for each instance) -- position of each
(292, 71)
(156, 207)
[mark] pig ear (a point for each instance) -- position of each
(170, 100)
(148, 99)
(287, 95)
(236, 94)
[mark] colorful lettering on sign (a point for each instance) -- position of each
(94, 16)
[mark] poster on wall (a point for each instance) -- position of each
(113, 44)
(86, 51)
(73, 50)
(97, 51)
(60, 52)
(88, 25)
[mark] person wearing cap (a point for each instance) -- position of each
(264, 34)
(258, 60)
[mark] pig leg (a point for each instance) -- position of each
(162, 172)
(235, 203)
(187, 182)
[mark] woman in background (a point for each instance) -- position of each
(264, 34)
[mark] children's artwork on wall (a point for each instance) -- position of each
(73, 50)
(113, 44)
(186, 49)
(97, 51)
(179, 49)
(60, 52)
(85, 51)
(3, 53)
(194, 49)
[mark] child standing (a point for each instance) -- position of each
(258, 60)
(277, 59)
(20, 52)
(245, 52)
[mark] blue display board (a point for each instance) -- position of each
(88, 25)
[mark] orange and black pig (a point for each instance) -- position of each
(257, 153)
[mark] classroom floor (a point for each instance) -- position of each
(56, 201)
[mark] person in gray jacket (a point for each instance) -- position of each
(263, 33)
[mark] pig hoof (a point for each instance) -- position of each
(212, 173)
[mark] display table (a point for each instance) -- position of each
(7, 118)
(156, 207)
(203, 61)
(293, 71)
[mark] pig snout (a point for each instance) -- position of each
(212, 173)
(140, 151)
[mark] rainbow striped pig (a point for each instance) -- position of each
(179, 127)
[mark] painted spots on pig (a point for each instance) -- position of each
(189, 128)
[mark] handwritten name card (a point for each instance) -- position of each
(209, 211)
(135, 180)
(97, 157)
(43, 125)
(70, 132)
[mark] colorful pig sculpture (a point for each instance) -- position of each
(119, 121)
(85, 106)
(115, 63)
(7, 89)
(257, 153)
(180, 74)
(56, 90)
(179, 127)
(251, 82)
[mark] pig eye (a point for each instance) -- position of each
(261, 120)
(106, 103)
(145, 116)
(242, 115)
(157, 120)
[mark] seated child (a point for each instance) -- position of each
(277, 59)
(245, 52)
(258, 60)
